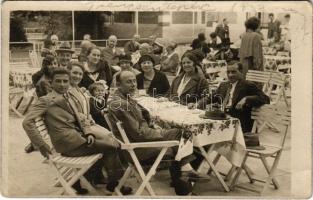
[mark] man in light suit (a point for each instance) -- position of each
(67, 134)
(110, 53)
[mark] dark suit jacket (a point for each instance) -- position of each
(193, 92)
(222, 32)
(159, 82)
(105, 73)
(254, 98)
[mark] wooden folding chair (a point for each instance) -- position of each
(278, 80)
(279, 116)
(68, 169)
(134, 166)
(262, 77)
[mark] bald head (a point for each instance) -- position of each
(127, 83)
(112, 40)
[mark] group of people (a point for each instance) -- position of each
(74, 95)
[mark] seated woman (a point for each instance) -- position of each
(126, 65)
(189, 87)
(95, 69)
(153, 81)
(170, 60)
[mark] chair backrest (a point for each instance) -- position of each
(272, 114)
(259, 77)
(35, 59)
(42, 128)
(119, 127)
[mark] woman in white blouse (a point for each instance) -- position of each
(190, 86)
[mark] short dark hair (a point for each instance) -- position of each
(58, 71)
(240, 67)
(252, 23)
(271, 15)
(201, 36)
(213, 35)
(287, 16)
(190, 55)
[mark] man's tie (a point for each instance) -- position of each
(226, 99)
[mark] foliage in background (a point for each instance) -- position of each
(17, 32)
(59, 23)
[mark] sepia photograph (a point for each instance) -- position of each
(156, 99)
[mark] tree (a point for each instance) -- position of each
(17, 32)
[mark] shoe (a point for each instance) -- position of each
(194, 175)
(124, 190)
(29, 148)
(110, 188)
(81, 191)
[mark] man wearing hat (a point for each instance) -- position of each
(126, 65)
(64, 54)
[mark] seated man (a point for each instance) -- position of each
(133, 45)
(111, 51)
(69, 137)
(240, 96)
(136, 122)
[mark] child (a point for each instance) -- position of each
(98, 91)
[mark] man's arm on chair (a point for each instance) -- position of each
(256, 96)
(29, 124)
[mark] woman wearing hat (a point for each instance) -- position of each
(153, 81)
(95, 69)
(126, 65)
(170, 60)
(190, 86)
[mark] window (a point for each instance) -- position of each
(202, 17)
(148, 17)
(124, 17)
(182, 17)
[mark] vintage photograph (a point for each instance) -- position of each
(119, 99)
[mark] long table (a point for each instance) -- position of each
(224, 136)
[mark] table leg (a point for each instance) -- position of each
(217, 174)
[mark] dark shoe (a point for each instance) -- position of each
(29, 148)
(194, 175)
(79, 189)
(126, 190)
(82, 191)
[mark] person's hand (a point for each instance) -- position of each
(241, 104)
(90, 140)
(45, 150)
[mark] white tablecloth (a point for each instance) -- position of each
(205, 131)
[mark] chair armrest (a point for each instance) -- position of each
(156, 144)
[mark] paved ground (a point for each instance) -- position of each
(28, 176)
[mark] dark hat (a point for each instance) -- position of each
(65, 47)
(252, 141)
(124, 58)
(146, 57)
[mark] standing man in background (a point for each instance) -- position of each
(222, 30)
(274, 32)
